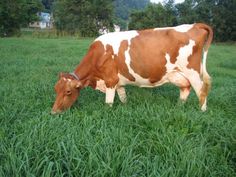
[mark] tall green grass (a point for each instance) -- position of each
(152, 135)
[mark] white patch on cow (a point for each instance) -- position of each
(181, 28)
(123, 80)
(204, 106)
(184, 53)
(114, 39)
(101, 86)
(204, 61)
(177, 78)
(182, 62)
(110, 95)
(69, 80)
(169, 66)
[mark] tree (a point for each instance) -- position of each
(17, 13)
(85, 17)
(220, 14)
(154, 15)
(186, 12)
(48, 4)
(123, 8)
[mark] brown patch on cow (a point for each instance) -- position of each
(98, 64)
(148, 51)
(106, 68)
(120, 61)
(195, 59)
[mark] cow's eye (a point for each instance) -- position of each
(68, 92)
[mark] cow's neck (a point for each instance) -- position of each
(84, 72)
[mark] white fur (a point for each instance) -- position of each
(122, 94)
(184, 53)
(181, 28)
(169, 66)
(114, 39)
(204, 61)
(182, 61)
(204, 106)
(110, 95)
(101, 86)
(184, 93)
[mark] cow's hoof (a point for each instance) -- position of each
(123, 101)
(110, 104)
(181, 102)
(203, 108)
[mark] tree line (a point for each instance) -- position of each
(220, 14)
(86, 17)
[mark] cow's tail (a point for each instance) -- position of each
(205, 76)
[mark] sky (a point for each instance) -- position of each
(176, 1)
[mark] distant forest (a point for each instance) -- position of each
(87, 17)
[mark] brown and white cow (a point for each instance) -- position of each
(147, 58)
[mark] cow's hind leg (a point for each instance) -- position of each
(177, 78)
(122, 94)
(184, 93)
(200, 87)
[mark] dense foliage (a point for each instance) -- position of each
(123, 8)
(17, 13)
(154, 15)
(48, 4)
(84, 17)
(220, 14)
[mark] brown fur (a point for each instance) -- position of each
(120, 61)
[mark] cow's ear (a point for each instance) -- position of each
(87, 83)
(61, 74)
(76, 84)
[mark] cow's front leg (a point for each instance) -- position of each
(121, 93)
(110, 95)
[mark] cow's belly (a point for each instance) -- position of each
(175, 77)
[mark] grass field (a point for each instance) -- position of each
(152, 135)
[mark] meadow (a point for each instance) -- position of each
(151, 135)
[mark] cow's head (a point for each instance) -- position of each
(67, 89)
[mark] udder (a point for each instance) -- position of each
(177, 78)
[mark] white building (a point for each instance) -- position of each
(45, 21)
